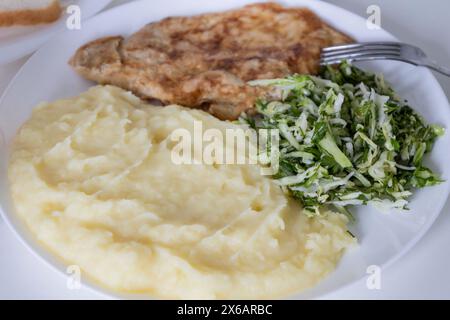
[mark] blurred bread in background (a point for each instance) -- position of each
(28, 12)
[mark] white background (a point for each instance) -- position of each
(423, 273)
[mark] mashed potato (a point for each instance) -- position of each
(93, 179)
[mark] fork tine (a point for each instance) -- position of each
(349, 52)
(365, 58)
(363, 45)
(358, 53)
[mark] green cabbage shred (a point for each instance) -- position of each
(346, 139)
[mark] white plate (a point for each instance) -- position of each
(383, 237)
(18, 41)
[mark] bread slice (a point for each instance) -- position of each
(28, 12)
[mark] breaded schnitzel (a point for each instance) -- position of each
(205, 61)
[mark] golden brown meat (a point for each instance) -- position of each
(205, 61)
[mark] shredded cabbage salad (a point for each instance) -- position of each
(345, 139)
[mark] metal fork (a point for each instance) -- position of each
(380, 51)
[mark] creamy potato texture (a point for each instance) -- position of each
(93, 179)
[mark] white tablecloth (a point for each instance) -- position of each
(422, 273)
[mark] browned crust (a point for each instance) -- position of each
(31, 17)
(205, 61)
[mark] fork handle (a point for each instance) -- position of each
(436, 67)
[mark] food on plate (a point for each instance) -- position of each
(205, 61)
(28, 12)
(93, 179)
(347, 139)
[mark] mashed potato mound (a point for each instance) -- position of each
(93, 179)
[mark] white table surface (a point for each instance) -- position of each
(423, 273)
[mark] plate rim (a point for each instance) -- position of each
(33, 43)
